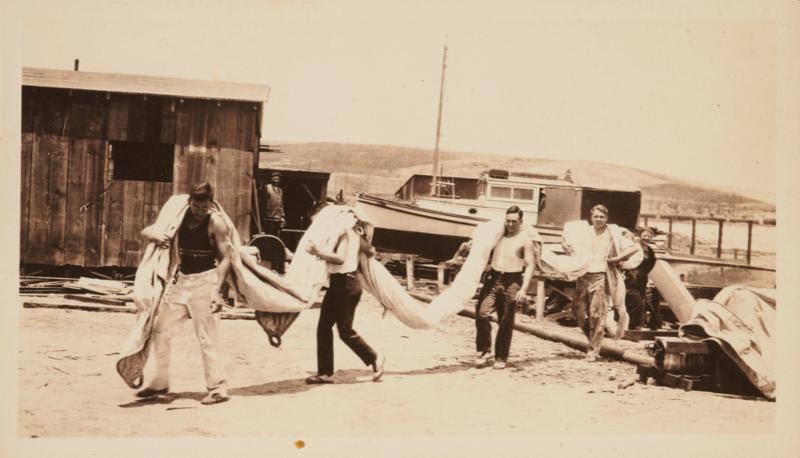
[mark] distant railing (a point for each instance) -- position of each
(645, 219)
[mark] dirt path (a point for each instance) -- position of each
(68, 386)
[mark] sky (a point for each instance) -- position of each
(687, 89)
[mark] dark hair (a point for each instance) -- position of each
(601, 208)
(514, 209)
(202, 192)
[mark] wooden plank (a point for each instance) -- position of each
(244, 193)
(211, 166)
(57, 201)
(30, 104)
(38, 209)
(179, 170)
(409, 273)
(88, 115)
(183, 122)
(198, 131)
(94, 167)
(230, 125)
(168, 120)
(246, 128)
(636, 335)
(540, 300)
(75, 228)
(137, 114)
(152, 119)
(234, 207)
(113, 220)
(132, 219)
(26, 163)
(55, 113)
(118, 117)
(216, 120)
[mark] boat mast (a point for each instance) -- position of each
(437, 168)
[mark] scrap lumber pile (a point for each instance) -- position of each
(84, 289)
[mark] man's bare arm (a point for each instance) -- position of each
(528, 273)
(223, 242)
(332, 257)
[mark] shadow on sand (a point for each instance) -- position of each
(341, 377)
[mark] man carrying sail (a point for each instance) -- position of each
(506, 284)
(602, 246)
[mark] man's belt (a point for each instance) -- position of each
(197, 253)
(499, 272)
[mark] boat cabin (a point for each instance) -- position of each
(545, 200)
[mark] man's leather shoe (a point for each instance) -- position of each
(214, 398)
(150, 392)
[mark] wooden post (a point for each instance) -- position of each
(409, 273)
(440, 277)
(669, 232)
(646, 219)
(539, 300)
(694, 228)
(749, 241)
(735, 254)
(719, 239)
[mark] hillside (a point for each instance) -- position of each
(382, 169)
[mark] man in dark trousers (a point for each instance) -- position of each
(506, 284)
(636, 282)
(339, 305)
(274, 217)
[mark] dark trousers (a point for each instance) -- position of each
(272, 227)
(338, 307)
(634, 303)
(498, 294)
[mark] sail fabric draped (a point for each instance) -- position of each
(268, 292)
(741, 320)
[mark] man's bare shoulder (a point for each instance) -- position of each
(217, 223)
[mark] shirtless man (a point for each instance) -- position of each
(506, 284)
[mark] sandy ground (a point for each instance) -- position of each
(68, 386)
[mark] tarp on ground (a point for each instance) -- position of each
(741, 320)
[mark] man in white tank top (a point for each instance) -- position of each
(506, 284)
(339, 306)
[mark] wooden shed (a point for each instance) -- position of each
(102, 152)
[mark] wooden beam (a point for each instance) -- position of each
(539, 300)
(669, 232)
(409, 273)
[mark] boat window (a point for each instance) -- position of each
(501, 192)
(523, 194)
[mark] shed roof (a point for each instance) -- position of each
(143, 84)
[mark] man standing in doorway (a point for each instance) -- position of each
(506, 284)
(274, 218)
(193, 293)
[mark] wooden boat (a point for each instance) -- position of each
(432, 226)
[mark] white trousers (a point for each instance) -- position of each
(189, 297)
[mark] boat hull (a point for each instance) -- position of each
(407, 228)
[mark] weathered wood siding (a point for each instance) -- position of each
(73, 213)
